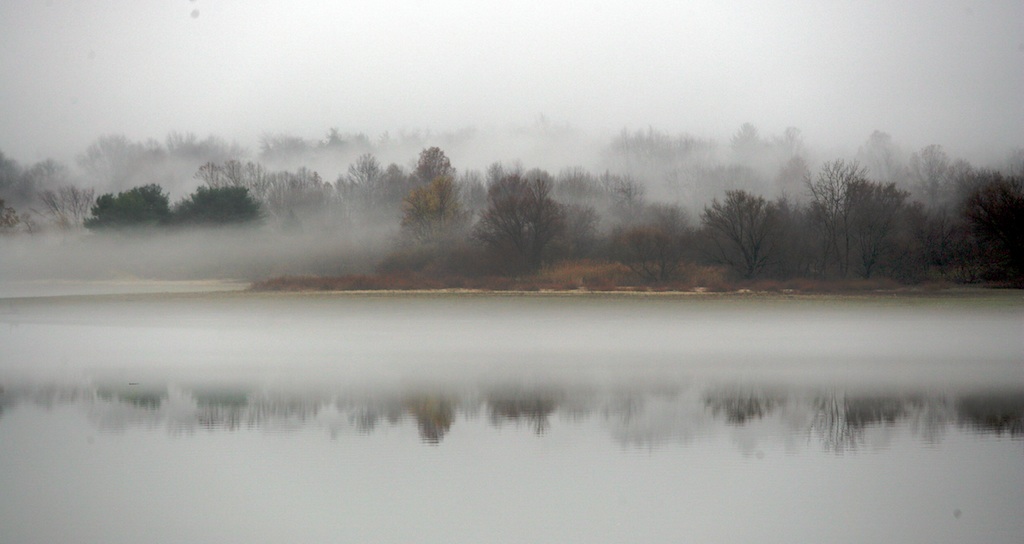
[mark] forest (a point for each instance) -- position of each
(650, 210)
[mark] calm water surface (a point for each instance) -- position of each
(239, 417)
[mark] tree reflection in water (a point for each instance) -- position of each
(142, 397)
(739, 406)
(531, 406)
(434, 416)
(996, 412)
(838, 418)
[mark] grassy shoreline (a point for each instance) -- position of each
(307, 286)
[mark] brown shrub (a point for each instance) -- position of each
(584, 274)
(708, 278)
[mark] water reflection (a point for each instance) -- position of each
(532, 407)
(434, 415)
(997, 413)
(838, 420)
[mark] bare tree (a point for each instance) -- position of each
(930, 171)
(575, 185)
(48, 174)
(627, 197)
(118, 163)
(831, 208)
(366, 171)
(187, 146)
(257, 180)
(947, 244)
(252, 176)
(995, 213)
(234, 174)
(68, 206)
(742, 230)
(746, 143)
(790, 145)
(791, 175)
(496, 171)
(857, 219)
(881, 158)
(875, 217)
(472, 191)
(796, 250)
(211, 174)
(20, 186)
(302, 191)
(10, 173)
(363, 184)
(579, 239)
(279, 148)
(654, 249)
(520, 221)
(373, 193)
(1015, 163)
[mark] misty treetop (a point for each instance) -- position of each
(666, 210)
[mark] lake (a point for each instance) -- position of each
(431, 417)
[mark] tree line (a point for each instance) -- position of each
(849, 227)
(869, 218)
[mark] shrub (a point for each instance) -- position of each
(139, 207)
(584, 274)
(218, 206)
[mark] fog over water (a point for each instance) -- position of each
(441, 338)
(242, 417)
(925, 71)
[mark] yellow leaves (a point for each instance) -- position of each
(433, 212)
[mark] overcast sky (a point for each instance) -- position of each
(948, 72)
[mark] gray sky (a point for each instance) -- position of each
(925, 71)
